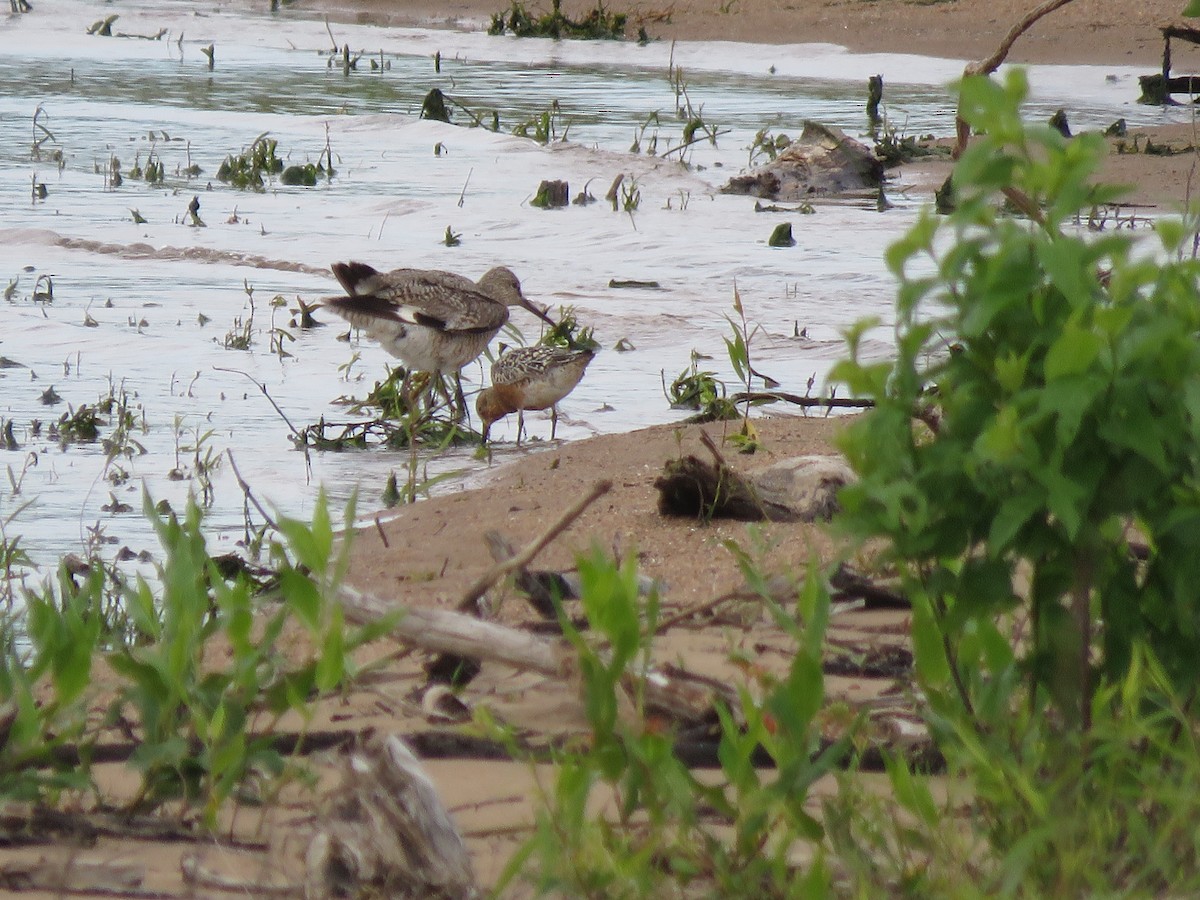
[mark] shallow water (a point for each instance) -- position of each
(130, 300)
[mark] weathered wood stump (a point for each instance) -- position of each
(823, 161)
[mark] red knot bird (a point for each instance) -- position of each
(530, 378)
(433, 321)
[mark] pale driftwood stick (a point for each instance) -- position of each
(79, 876)
(522, 559)
(447, 631)
(679, 694)
(993, 62)
(195, 874)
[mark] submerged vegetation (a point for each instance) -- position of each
(254, 166)
(598, 24)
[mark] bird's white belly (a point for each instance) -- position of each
(425, 349)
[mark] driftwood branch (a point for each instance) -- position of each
(460, 634)
(992, 63)
(798, 400)
(681, 696)
(522, 559)
(386, 832)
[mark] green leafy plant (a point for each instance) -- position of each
(660, 828)
(569, 333)
(893, 146)
(406, 415)
(240, 335)
(545, 126)
(738, 348)
(45, 669)
(206, 727)
(701, 391)
(767, 146)
(1033, 462)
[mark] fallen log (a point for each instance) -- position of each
(680, 696)
(800, 489)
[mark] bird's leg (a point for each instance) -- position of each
(520, 425)
(553, 420)
(459, 399)
(410, 393)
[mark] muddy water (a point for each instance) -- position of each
(142, 310)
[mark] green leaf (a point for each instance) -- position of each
(331, 667)
(302, 596)
(914, 796)
(1072, 353)
(1009, 519)
(929, 651)
(1193, 9)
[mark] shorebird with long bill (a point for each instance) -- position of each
(433, 321)
(530, 378)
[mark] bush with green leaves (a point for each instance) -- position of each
(1033, 462)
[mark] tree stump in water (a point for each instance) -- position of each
(434, 107)
(822, 161)
(551, 195)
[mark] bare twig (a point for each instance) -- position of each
(807, 402)
(246, 490)
(463, 196)
(993, 62)
(262, 387)
(696, 140)
(382, 533)
(522, 559)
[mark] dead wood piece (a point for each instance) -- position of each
(922, 757)
(453, 671)
(881, 661)
(537, 587)
(848, 583)
(822, 161)
(387, 831)
(433, 107)
(701, 490)
(808, 484)
(993, 62)
(801, 401)
(679, 697)
(552, 195)
(801, 489)
(440, 704)
(194, 872)
(522, 559)
(611, 196)
(446, 631)
(75, 876)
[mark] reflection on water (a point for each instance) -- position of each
(141, 309)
